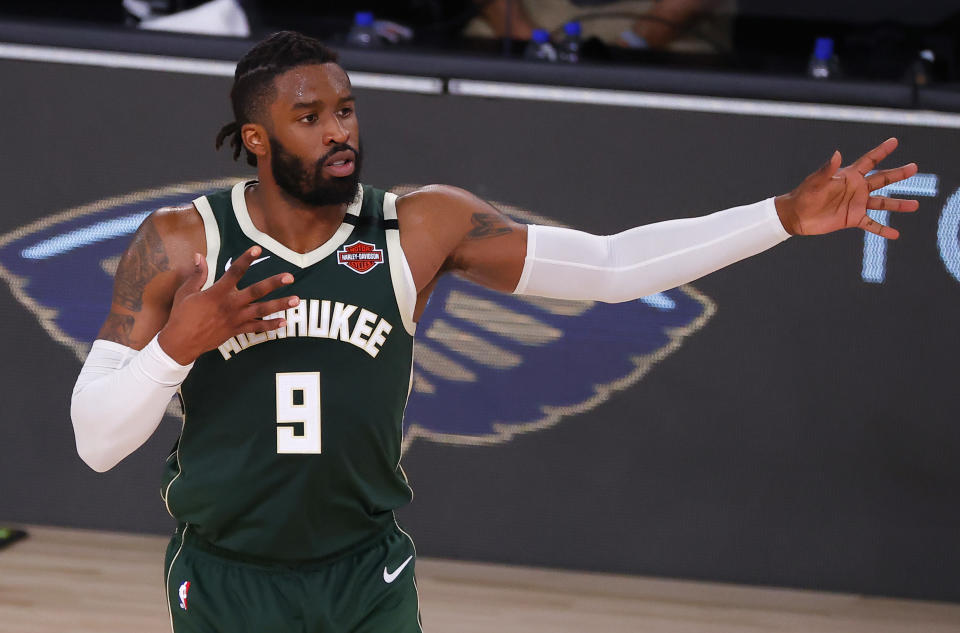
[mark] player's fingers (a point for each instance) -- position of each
(265, 287)
(882, 203)
(869, 161)
(239, 267)
(261, 325)
(872, 226)
(194, 281)
(829, 168)
(880, 179)
(266, 308)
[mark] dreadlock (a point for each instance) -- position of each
(253, 80)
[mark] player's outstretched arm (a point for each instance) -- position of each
(129, 376)
(452, 230)
(483, 245)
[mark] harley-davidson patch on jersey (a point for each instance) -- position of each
(360, 256)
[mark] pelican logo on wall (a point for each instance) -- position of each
(487, 366)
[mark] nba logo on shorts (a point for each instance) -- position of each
(184, 589)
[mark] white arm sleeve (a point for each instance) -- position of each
(119, 400)
(568, 264)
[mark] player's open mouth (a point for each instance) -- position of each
(340, 164)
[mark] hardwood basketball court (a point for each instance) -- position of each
(76, 581)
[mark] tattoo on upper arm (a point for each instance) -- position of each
(142, 262)
(117, 328)
(487, 224)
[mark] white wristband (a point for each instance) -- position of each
(568, 264)
(119, 399)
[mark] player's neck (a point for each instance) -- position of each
(295, 224)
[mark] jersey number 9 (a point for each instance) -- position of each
(298, 412)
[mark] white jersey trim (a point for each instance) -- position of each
(183, 538)
(302, 260)
(212, 232)
(404, 287)
(416, 589)
(183, 425)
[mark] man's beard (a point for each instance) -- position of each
(308, 184)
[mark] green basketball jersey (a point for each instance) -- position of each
(290, 446)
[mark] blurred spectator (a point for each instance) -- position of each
(676, 25)
(214, 17)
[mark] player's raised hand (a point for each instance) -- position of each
(832, 198)
(201, 320)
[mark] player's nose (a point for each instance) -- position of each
(336, 132)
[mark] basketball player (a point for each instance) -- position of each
(284, 309)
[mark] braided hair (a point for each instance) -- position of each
(253, 80)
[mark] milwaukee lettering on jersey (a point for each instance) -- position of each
(317, 318)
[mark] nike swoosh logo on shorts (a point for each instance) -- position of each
(226, 266)
(388, 577)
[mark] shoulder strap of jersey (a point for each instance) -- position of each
(403, 285)
(211, 230)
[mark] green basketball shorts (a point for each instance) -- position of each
(369, 590)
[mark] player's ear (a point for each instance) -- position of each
(255, 139)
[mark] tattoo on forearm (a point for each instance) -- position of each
(117, 328)
(487, 225)
(142, 262)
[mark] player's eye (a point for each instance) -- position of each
(310, 118)
(345, 112)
